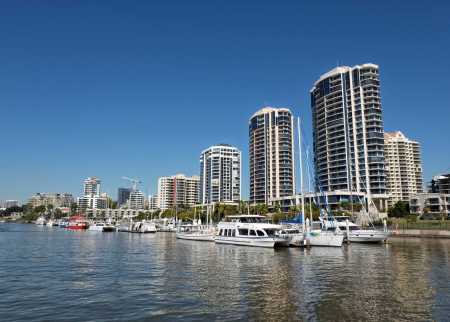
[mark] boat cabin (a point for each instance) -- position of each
(250, 219)
(247, 232)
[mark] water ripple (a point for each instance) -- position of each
(49, 274)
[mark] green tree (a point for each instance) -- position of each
(50, 208)
(58, 214)
(293, 210)
(112, 204)
(73, 208)
(312, 208)
(142, 215)
(168, 213)
(345, 205)
(399, 210)
(39, 209)
(277, 208)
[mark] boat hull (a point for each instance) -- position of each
(254, 242)
(367, 236)
(77, 227)
(325, 239)
(296, 241)
(198, 237)
(109, 229)
(141, 228)
(95, 228)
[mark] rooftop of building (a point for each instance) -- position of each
(269, 109)
(221, 145)
(340, 70)
(397, 136)
(180, 176)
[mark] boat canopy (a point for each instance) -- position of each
(296, 220)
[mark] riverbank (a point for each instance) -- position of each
(420, 233)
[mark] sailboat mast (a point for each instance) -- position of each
(301, 172)
(309, 183)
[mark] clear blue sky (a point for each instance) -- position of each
(139, 88)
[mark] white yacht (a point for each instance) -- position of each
(144, 227)
(138, 226)
(166, 225)
(355, 233)
(102, 226)
(40, 221)
(249, 230)
(64, 223)
(196, 231)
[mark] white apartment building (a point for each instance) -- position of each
(92, 186)
(92, 198)
(178, 191)
(137, 199)
(348, 134)
(220, 174)
(271, 154)
(10, 203)
(431, 203)
(92, 202)
(403, 167)
(153, 202)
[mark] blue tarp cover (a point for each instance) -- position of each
(296, 220)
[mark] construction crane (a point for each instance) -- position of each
(134, 182)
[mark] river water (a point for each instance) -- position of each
(51, 274)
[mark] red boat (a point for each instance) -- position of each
(78, 222)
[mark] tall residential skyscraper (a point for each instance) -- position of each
(92, 198)
(123, 195)
(178, 191)
(348, 131)
(220, 174)
(403, 167)
(92, 186)
(271, 151)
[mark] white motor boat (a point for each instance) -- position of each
(101, 226)
(249, 230)
(293, 236)
(355, 233)
(196, 232)
(64, 223)
(166, 225)
(50, 222)
(40, 221)
(138, 227)
(144, 227)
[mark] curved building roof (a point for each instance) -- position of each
(268, 109)
(340, 70)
